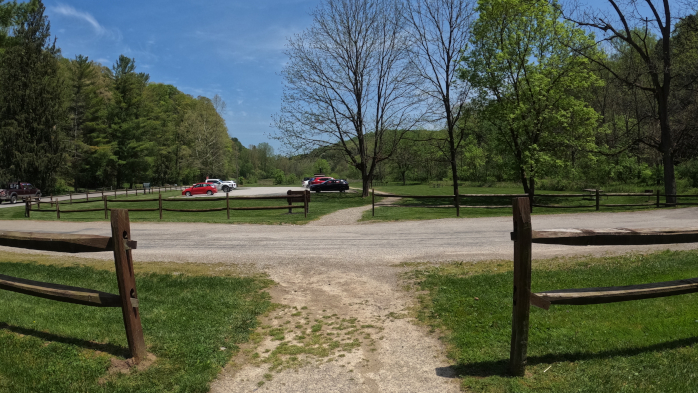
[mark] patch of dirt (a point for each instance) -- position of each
(124, 366)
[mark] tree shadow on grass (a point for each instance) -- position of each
(112, 349)
(501, 367)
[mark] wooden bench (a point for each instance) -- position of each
(120, 243)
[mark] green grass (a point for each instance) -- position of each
(429, 213)
(639, 346)
(192, 324)
(320, 204)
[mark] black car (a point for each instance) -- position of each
(331, 185)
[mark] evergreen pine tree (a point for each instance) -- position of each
(32, 115)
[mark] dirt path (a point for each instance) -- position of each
(386, 353)
(378, 348)
(349, 216)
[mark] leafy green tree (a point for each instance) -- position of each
(646, 31)
(32, 116)
(321, 166)
(531, 84)
(207, 135)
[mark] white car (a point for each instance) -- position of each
(223, 185)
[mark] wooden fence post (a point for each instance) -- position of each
(71, 197)
(657, 199)
(227, 205)
(307, 202)
(126, 191)
(115, 193)
(27, 209)
(102, 192)
(597, 199)
(457, 202)
(58, 211)
(522, 286)
(121, 232)
(160, 204)
(105, 207)
(373, 202)
(50, 200)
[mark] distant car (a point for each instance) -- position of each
(18, 190)
(318, 180)
(306, 182)
(223, 185)
(200, 188)
(330, 185)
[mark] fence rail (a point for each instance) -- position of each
(120, 243)
(290, 197)
(524, 237)
(459, 201)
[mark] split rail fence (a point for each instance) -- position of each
(120, 243)
(290, 197)
(524, 236)
(458, 201)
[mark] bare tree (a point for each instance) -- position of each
(349, 83)
(644, 27)
(440, 31)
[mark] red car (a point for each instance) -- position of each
(318, 180)
(200, 188)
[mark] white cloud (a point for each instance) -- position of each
(71, 12)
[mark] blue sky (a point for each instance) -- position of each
(208, 47)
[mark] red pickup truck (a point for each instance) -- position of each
(18, 190)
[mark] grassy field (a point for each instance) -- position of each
(320, 204)
(428, 213)
(192, 322)
(639, 346)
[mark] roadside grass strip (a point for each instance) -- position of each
(320, 204)
(192, 325)
(637, 346)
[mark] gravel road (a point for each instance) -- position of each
(336, 266)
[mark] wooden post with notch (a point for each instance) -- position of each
(597, 199)
(160, 204)
(227, 205)
(106, 210)
(522, 237)
(121, 232)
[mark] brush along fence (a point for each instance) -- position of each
(458, 201)
(290, 197)
(524, 236)
(120, 243)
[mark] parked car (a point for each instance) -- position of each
(318, 180)
(18, 190)
(223, 185)
(200, 188)
(330, 185)
(306, 182)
